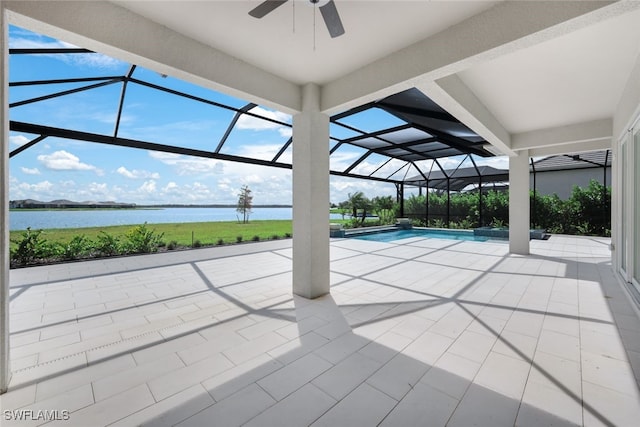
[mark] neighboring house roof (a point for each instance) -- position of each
(462, 177)
(593, 159)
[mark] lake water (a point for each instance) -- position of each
(20, 220)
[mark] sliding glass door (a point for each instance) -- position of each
(623, 206)
(636, 207)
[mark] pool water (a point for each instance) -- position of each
(389, 236)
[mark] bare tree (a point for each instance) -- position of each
(245, 203)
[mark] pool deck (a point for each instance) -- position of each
(415, 332)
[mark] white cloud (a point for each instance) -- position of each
(148, 187)
(99, 188)
(340, 187)
(171, 186)
(253, 179)
(186, 165)
(137, 174)
(264, 152)
(18, 140)
(30, 171)
(63, 160)
(254, 123)
(341, 160)
(38, 188)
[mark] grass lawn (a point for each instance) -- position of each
(208, 233)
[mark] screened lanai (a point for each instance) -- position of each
(556, 174)
(386, 140)
(527, 334)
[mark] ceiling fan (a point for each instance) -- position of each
(328, 10)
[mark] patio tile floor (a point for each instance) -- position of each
(415, 332)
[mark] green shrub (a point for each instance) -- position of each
(32, 247)
(172, 245)
(220, 242)
(255, 238)
(275, 237)
(239, 239)
(197, 244)
(437, 223)
(498, 223)
(107, 245)
(141, 239)
(78, 247)
(465, 224)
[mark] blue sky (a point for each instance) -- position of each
(81, 171)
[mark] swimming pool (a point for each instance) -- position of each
(391, 235)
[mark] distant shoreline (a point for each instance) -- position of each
(136, 207)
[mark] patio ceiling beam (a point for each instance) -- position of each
(151, 45)
(454, 96)
(570, 138)
(480, 38)
(596, 145)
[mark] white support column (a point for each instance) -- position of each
(519, 203)
(310, 197)
(5, 373)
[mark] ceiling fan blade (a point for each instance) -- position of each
(332, 19)
(266, 7)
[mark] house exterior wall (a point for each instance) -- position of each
(562, 182)
(626, 189)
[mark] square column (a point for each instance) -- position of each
(310, 197)
(5, 373)
(519, 203)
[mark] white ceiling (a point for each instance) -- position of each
(373, 29)
(570, 79)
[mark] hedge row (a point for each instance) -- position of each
(586, 212)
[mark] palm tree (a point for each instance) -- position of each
(358, 201)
